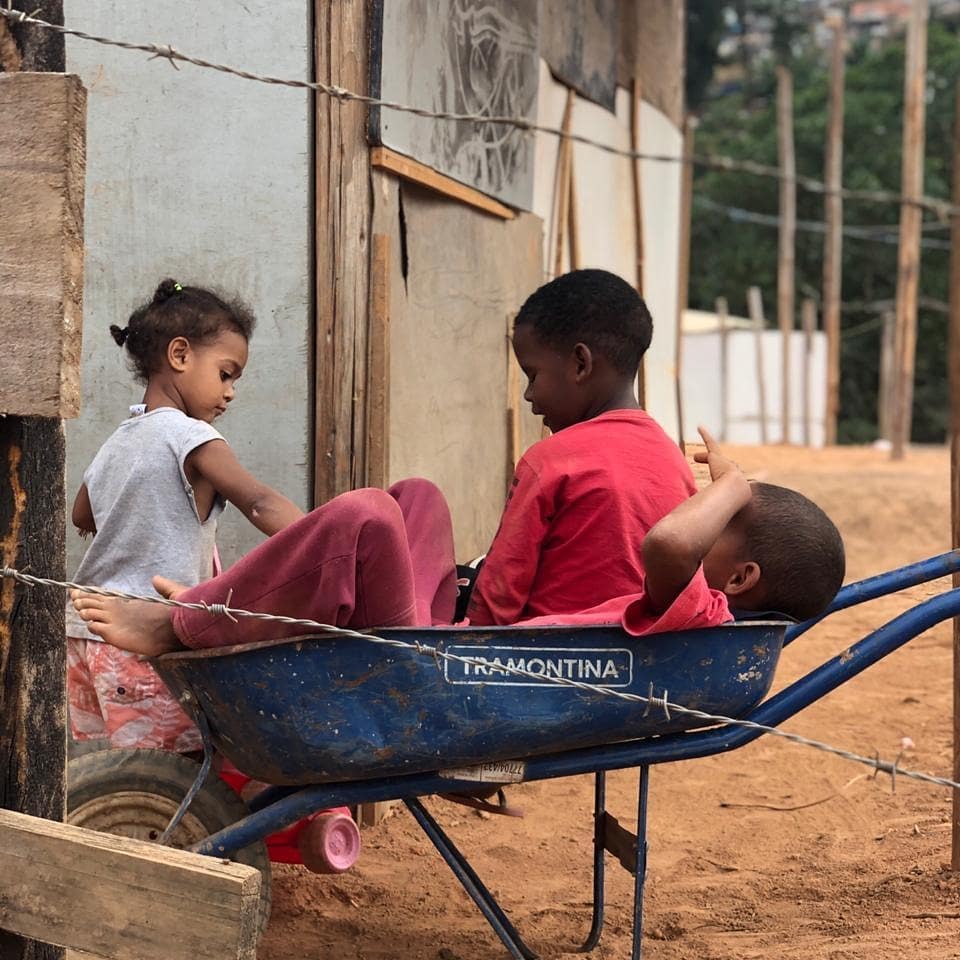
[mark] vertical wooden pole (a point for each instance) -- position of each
(886, 380)
(788, 231)
(911, 216)
(833, 239)
(33, 711)
(723, 317)
(563, 181)
(343, 218)
(755, 309)
(808, 311)
(953, 364)
(637, 172)
(573, 214)
(378, 365)
(683, 272)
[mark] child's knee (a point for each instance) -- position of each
(379, 512)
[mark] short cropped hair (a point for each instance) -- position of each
(798, 548)
(594, 307)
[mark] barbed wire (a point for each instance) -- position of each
(942, 208)
(871, 234)
(650, 700)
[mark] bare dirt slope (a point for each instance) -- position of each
(739, 867)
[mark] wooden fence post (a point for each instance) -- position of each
(809, 315)
(723, 316)
(833, 238)
(788, 230)
(886, 380)
(953, 369)
(637, 172)
(343, 218)
(683, 278)
(911, 217)
(32, 449)
(755, 309)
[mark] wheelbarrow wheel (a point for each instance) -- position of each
(134, 793)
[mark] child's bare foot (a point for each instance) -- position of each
(134, 625)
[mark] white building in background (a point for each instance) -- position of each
(725, 396)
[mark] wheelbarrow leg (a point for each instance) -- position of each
(641, 871)
(201, 779)
(480, 895)
(599, 816)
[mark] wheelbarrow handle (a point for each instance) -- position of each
(881, 585)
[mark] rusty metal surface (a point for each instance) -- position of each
(312, 710)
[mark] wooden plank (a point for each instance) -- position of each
(123, 899)
(342, 250)
(788, 230)
(755, 309)
(378, 365)
(723, 315)
(953, 370)
(808, 312)
(833, 238)
(386, 159)
(635, 171)
(911, 218)
(42, 138)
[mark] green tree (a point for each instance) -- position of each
(728, 256)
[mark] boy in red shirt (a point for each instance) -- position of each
(732, 550)
(583, 499)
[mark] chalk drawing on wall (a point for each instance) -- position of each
(461, 56)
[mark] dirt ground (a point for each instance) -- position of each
(739, 867)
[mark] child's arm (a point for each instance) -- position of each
(82, 515)
(674, 549)
(266, 509)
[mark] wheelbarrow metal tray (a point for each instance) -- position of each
(329, 708)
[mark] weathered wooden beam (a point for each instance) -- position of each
(343, 213)
(42, 138)
(383, 158)
(123, 899)
(378, 365)
(32, 495)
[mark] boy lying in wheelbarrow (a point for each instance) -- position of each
(370, 558)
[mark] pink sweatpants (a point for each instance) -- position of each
(368, 558)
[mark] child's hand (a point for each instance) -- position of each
(714, 458)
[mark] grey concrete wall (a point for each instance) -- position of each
(206, 178)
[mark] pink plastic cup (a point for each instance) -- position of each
(330, 843)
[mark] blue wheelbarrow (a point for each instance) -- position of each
(337, 720)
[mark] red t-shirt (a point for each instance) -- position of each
(580, 504)
(697, 606)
